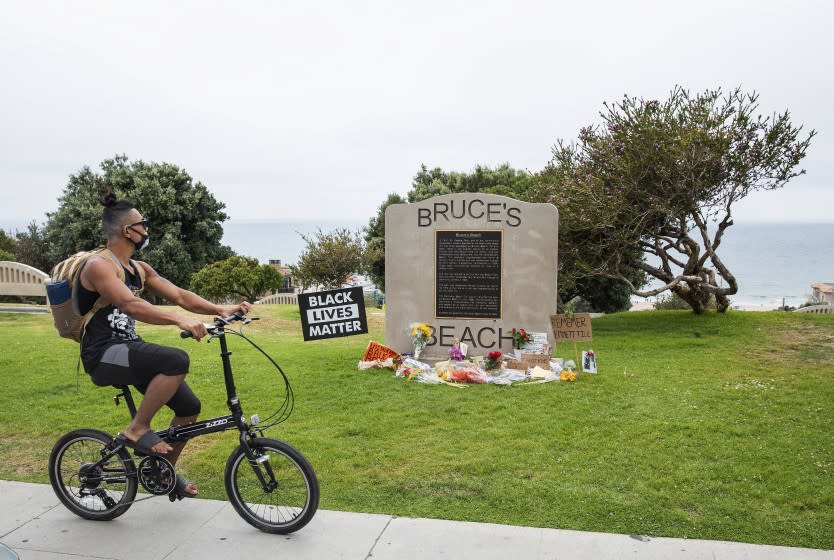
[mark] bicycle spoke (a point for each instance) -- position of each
(105, 485)
(284, 504)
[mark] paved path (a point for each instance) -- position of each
(36, 526)
(23, 309)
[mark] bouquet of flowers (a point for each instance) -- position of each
(520, 338)
(568, 374)
(493, 361)
(420, 335)
(455, 352)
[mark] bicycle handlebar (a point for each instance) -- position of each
(220, 322)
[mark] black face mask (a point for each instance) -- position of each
(143, 243)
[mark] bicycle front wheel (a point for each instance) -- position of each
(276, 491)
(88, 484)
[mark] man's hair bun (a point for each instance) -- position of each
(109, 199)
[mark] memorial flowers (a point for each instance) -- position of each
(493, 361)
(520, 338)
(455, 353)
(567, 375)
(420, 335)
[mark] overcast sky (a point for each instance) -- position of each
(289, 110)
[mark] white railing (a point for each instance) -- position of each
(17, 279)
(816, 309)
(285, 299)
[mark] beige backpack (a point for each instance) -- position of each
(63, 299)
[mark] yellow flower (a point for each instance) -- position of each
(420, 332)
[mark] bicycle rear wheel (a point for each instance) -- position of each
(278, 492)
(89, 487)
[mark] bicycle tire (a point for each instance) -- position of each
(85, 493)
(284, 510)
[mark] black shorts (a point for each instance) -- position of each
(137, 363)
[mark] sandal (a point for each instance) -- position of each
(143, 445)
(179, 492)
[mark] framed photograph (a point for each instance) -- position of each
(589, 361)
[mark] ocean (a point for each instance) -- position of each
(777, 262)
(771, 261)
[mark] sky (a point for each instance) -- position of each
(318, 110)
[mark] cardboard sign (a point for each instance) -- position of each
(516, 364)
(528, 361)
(333, 313)
(533, 360)
(576, 329)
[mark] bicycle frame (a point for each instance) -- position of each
(235, 420)
(175, 434)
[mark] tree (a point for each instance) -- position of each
(7, 242)
(236, 278)
(31, 247)
(503, 180)
(604, 295)
(6, 255)
(374, 255)
(662, 178)
(329, 258)
(185, 218)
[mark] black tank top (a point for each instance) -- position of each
(108, 326)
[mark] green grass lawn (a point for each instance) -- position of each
(711, 427)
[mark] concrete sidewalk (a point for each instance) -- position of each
(36, 526)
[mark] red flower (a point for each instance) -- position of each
(520, 338)
(494, 355)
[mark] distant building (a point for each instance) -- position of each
(286, 274)
(823, 292)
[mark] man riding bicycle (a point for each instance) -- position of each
(112, 352)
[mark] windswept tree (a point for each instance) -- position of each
(329, 258)
(661, 178)
(236, 279)
(185, 218)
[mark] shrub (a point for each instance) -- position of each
(671, 300)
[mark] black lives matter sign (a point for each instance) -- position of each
(333, 313)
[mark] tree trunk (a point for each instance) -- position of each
(698, 299)
(722, 303)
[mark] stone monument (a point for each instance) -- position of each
(471, 266)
